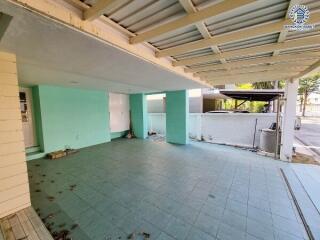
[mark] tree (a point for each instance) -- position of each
(263, 85)
(268, 85)
(307, 86)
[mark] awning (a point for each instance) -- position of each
(253, 95)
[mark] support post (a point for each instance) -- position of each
(14, 183)
(138, 115)
(289, 116)
(177, 117)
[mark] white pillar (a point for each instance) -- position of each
(289, 116)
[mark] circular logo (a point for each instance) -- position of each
(299, 14)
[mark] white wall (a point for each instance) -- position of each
(119, 112)
(156, 105)
(14, 184)
(235, 128)
(195, 104)
(224, 128)
(157, 123)
(156, 102)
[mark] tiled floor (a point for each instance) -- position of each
(200, 191)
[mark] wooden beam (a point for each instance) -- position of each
(190, 19)
(314, 67)
(277, 68)
(233, 36)
(248, 80)
(188, 6)
(301, 42)
(250, 74)
(287, 58)
(283, 34)
(250, 77)
(96, 10)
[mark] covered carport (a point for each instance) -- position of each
(74, 52)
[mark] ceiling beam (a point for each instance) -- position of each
(189, 19)
(314, 67)
(96, 10)
(251, 51)
(283, 34)
(287, 58)
(188, 6)
(248, 80)
(250, 77)
(274, 68)
(233, 36)
(252, 74)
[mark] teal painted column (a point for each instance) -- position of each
(177, 117)
(138, 111)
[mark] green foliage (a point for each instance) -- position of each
(268, 85)
(306, 86)
(309, 85)
(244, 86)
(254, 107)
(261, 85)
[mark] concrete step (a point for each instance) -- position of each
(35, 155)
(32, 149)
(306, 205)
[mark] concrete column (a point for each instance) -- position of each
(289, 116)
(177, 117)
(139, 117)
(14, 183)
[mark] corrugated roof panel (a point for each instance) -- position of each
(204, 3)
(306, 49)
(209, 63)
(248, 15)
(113, 7)
(313, 5)
(240, 58)
(271, 38)
(299, 34)
(182, 36)
(139, 15)
(197, 53)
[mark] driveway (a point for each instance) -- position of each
(309, 136)
(196, 192)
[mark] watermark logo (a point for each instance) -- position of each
(299, 15)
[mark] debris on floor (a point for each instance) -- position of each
(57, 154)
(304, 158)
(72, 187)
(62, 153)
(157, 138)
(136, 235)
(62, 235)
(71, 151)
(51, 198)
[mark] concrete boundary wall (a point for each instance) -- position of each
(223, 128)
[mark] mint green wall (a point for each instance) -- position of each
(138, 111)
(72, 117)
(177, 120)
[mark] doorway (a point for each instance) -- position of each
(25, 96)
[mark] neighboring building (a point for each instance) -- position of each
(312, 107)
